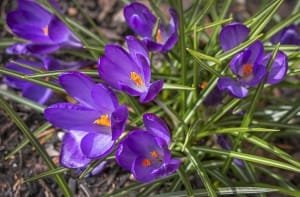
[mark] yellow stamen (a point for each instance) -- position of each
(159, 37)
(146, 162)
(46, 30)
(154, 154)
(136, 78)
(247, 70)
(103, 121)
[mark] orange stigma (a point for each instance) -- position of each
(247, 70)
(158, 37)
(46, 30)
(103, 121)
(136, 78)
(146, 162)
(154, 154)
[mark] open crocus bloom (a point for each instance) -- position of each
(248, 67)
(232, 35)
(129, 71)
(288, 35)
(158, 37)
(45, 31)
(97, 115)
(145, 152)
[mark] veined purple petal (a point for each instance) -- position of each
(73, 117)
(152, 91)
(58, 31)
(278, 69)
(37, 93)
(256, 52)
(259, 72)
(17, 49)
(71, 155)
(95, 145)
(42, 48)
(140, 19)
(157, 127)
(233, 87)
(104, 99)
(79, 86)
(118, 121)
(167, 168)
(136, 47)
(232, 35)
(32, 7)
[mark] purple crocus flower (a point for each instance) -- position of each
(232, 35)
(44, 31)
(97, 115)
(248, 67)
(37, 93)
(288, 35)
(158, 37)
(145, 152)
(129, 71)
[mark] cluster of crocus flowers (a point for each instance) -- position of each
(130, 70)
(44, 32)
(145, 152)
(250, 65)
(157, 35)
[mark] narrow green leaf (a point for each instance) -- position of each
(47, 173)
(28, 134)
(200, 56)
(57, 73)
(184, 178)
(234, 130)
(217, 23)
(168, 86)
(223, 191)
(201, 173)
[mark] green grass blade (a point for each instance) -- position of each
(201, 173)
(28, 134)
(47, 174)
(168, 86)
(184, 178)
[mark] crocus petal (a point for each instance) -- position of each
(233, 87)
(256, 52)
(73, 117)
(37, 93)
(58, 31)
(118, 121)
(71, 155)
(288, 35)
(41, 48)
(136, 47)
(17, 49)
(79, 86)
(42, 16)
(124, 155)
(142, 173)
(278, 68)
(152, 92)
(157, 127)
(95, 145)
(140, 19)
(167, 168)
(104, 99)
(232, 35)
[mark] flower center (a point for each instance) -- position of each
(136, 78)
(159, 37)
(154, 154)
(103, 121)
(46, 30)
(146, 162)
(247, 70)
